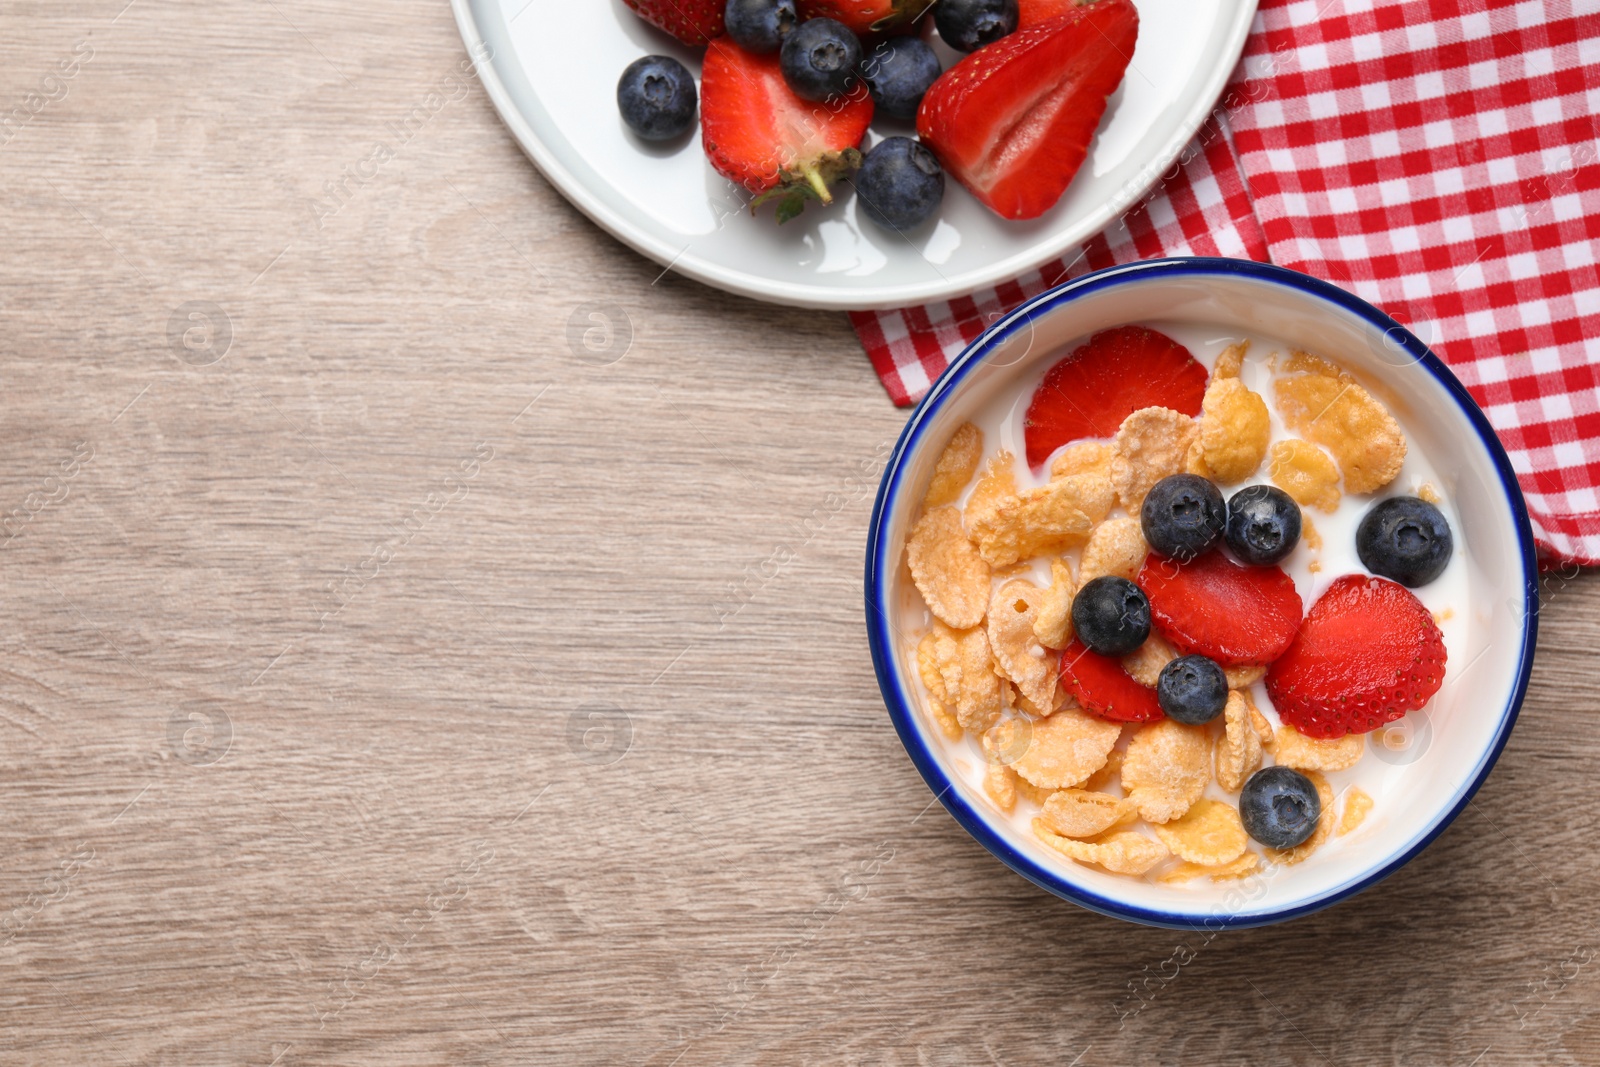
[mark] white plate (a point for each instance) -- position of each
(552, 69)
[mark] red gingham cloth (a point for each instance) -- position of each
(1440, 158)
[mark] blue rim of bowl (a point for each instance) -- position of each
(881, 639)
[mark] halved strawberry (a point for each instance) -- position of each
(1033, 12)
(1012, 121)
(1367, 653)
(758, 133)
(690, 21)
(867, 16)
(1218, 608)
(1106, 379)
(1103, 688)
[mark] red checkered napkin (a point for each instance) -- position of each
(1436, 157)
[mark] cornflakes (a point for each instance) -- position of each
(969, 680)
(1101, 779)
(1150, 445)
(1295, 749)
(948, 571)
(1116, 547)
(1144, 663)
(1089, 457)
(947, 723)
(955, 467)
(1290, 856)
(1165, 769)
(1305, 472)
(1121, 853)
(1209, 833)
(1052, 626)
(1066, 748)
(1356, 806)
(1230, 361)
(928, 665)
(1080, 813)
(1035, 522)
(999, 482)
(1001, 784)
(1344, 418)
(1234, 430)
(1184, 872)
(1238, 749)
(1244, 675)
(1021, 658)
(1427, 492)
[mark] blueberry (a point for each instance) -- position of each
(1182, 516)
(760, 25)
(657, 98)
(1406, 539)
(899, 184)
(898, 72)
(1279, 807)
(1263, 525)
(1192, 689)
(968, 25)
(819, 59)
(1111, 615)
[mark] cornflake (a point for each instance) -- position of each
(1342, 416)
(1052, 626)
(1230, 361)
(1101, 779)
(1116, 547)
(1038, 794)
(928, 663)
(1305, 472)
(1144, 663)
(1150, 445)
(1234, 430)
(1088, 457)
(972, 687)
(1238, 751)
(947, 723)
(948, 571)
(1427, 492)
(1017, 651)
(1244, 675)
(1290, 856)
(1195, 461)
(1121, 853)
(1001, 784)
(1066, 749)
(1080, 813)
(1309, 534)
(1295, 749)
(956, 465)
(999, 482)
(1184, 872)
(1356, 806)
(1165, 769)
(1209, 833)
(1087, 468)
(1035, 522)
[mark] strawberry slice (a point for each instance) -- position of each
(1103, 688)
(1012, 121)
(690, 21)
(758, 133)
(1106, 379)
(1367, 653)
(1033, 12)
(1214, 606)
(866, 17)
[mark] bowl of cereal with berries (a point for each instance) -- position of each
(1200, 592)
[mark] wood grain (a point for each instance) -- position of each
(389, 680)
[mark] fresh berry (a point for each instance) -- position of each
(1263, 525)
(1033, 12)
(1013, 121)
(820, 59)
(690, 21)
(1192, 689)
(1111, 615)
(1182, 516)
(899, 184)
(1106, 379)
(657, 98)
(760, 25)
(758, 133)
(1279, 807)
(898, 73)
(1218, 608)
(867, 16)
(968, 25)
(1405, 538)
(1367, 653)
(1103, 688)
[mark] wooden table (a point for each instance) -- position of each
(391, 678)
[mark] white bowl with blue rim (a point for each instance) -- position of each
(1469, 719)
